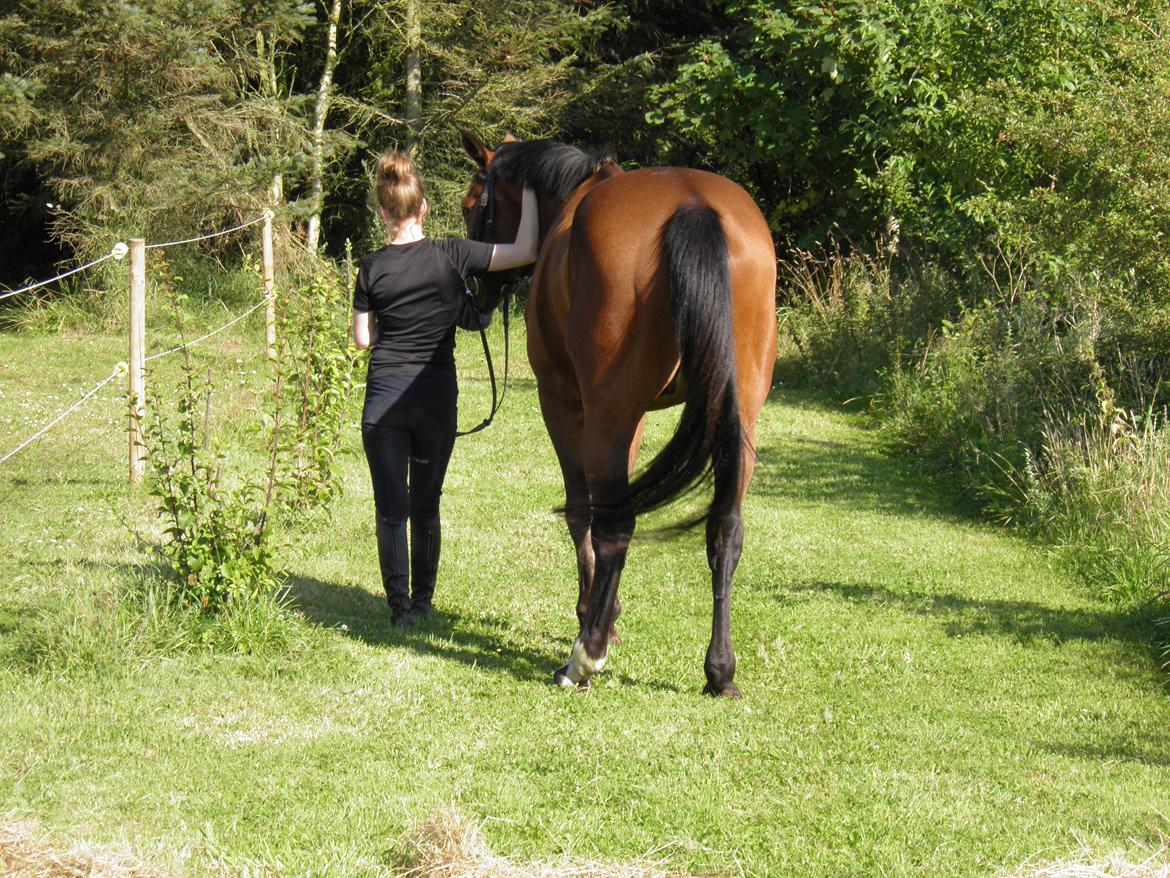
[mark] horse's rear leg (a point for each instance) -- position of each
(724, 546)
(607, 475)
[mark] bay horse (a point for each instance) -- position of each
(652, 287)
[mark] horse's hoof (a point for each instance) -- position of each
(561, 678)
(728, 691)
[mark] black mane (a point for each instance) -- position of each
(549, 168)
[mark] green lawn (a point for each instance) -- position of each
(924, 694)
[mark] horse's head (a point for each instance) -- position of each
(491, 210)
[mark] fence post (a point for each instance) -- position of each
(270, 307)
(137, 356)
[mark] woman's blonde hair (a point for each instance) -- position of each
(400, 191)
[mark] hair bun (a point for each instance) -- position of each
(395, 166)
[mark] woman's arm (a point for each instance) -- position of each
(363, 329)
(523, 251)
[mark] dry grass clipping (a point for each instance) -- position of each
(1157, 865)
(451, 845)
(21, 856)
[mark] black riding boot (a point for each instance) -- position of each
(392, 557)
(424, 564)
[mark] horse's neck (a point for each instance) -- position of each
(561, 214)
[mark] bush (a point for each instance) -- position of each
(849, 318)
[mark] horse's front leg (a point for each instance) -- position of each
(579, 519)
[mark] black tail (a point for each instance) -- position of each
(709, 435)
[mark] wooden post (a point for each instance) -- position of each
(137, 361)
(270, 307)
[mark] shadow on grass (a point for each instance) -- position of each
(483, 641)
(1022, 621)
(854, 475)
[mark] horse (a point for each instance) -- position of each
(652, 287)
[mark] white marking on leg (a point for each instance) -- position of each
(581, 665)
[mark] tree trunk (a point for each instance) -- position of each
(413, 74)
(324, 95)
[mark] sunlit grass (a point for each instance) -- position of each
(923, 694)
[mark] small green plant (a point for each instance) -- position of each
(317, 368)
(219, 540)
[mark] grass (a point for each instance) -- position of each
(924, 694)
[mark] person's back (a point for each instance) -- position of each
(414, 290)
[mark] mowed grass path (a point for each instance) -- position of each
(924, 695)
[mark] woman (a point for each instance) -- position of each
(410, 291)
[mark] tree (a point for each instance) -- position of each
(415, 69)
(320, 112)
(847, 115)
(142, 116)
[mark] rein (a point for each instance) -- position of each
(487, 352)
(484, 226)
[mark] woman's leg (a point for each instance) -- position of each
(433, 441)
(387, 452)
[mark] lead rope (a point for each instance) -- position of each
(487, 352)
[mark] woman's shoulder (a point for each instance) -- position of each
(372, 256)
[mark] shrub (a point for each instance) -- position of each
(848, 318)
(220, 540)
(317, 369)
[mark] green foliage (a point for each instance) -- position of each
(219, 539)
(844, 114)
(1096, 207)
(317, 365)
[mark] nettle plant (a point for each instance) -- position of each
(222, 516)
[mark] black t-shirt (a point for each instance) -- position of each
(414, 290)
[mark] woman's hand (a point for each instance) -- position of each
(523, 250)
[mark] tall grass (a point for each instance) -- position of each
(1100, 490)
(1015, 397)
(848, 318)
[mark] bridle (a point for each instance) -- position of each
(485, 220)
(482, 228)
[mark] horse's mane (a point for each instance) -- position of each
(549, 168)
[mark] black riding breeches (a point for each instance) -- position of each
(408, 432)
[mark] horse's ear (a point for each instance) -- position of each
(474, 147)
(511, 138)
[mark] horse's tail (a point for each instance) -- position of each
(709, 436)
